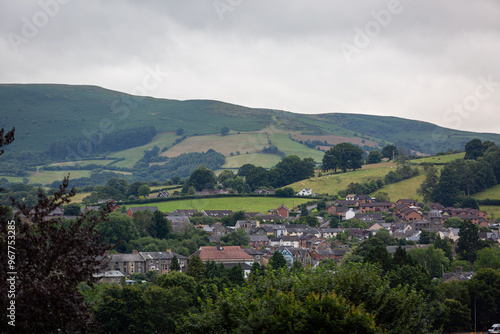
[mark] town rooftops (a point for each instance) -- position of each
(226, 253)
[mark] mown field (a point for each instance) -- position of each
(248, 204)
(491, 193)
(492, 211)
(232, 143)
(133, 155)
(49, 176)
(258, 159)
(82, 163)
(333, 183)
(440, 159)
(404, 189)
(289, 147)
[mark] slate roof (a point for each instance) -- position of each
(144, 208)
(234, 253)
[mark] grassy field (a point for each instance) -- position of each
(49, 176)
(133, 155)
(492, 211)
(83, 163)
(244, 142)
(333, 183)
(289, 147)
(404, 189)
(491, 193)
(258, 159)
(79, 197)
(248, 204)
(12, 179)
(441, 159)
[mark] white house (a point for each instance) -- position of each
(350, 214)
(305, 192)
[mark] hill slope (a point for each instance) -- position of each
(46, 113)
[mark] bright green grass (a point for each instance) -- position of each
(491, 193)
(406, 189)
(333, 183)
(492, 211)
(49, 176)
(289, 147)
(248, 204)
(441, 159)
(133, 155)
(257, 159)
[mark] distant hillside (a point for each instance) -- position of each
(44, 114)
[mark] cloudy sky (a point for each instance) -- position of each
(436, 61)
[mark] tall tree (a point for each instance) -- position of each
(174, 264)
(277, 261)
(474, 149)
(468, 243)
(52, 257)
(160, 226)
(201, 178)
(196, 268)
(426, 189)
(390, 152)
(344, 156)
(374, 157)
(224, 131)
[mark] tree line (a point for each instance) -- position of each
(459, 179)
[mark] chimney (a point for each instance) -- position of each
(135, 251)
(458, 269)
(219, 246)
(169, 251)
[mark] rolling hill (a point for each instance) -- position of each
(81, 116)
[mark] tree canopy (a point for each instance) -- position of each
(343, 156)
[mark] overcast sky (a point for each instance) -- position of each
(437, 61)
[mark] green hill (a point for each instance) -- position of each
(81, 118)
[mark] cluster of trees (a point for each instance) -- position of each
(289, 170)
(463, 177)
(99, 143)
(343, 156)
(180, 166)
(250, 177)
(353, 298)
(452, 303)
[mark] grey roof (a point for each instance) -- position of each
(144, 208)
(126, 258)
(252, 251)
(109, 274)
(160, 255)
(257, 238)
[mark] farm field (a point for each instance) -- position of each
(491, 193)
(82, 163)
(440, 159)
(334, 140)
(248, 204)
(79, 197)
(134, 154)
(258, 159)
(492, 211)
(49, 176)
(333, 183)
(289, 147)
(404, 189)
(232, 143)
